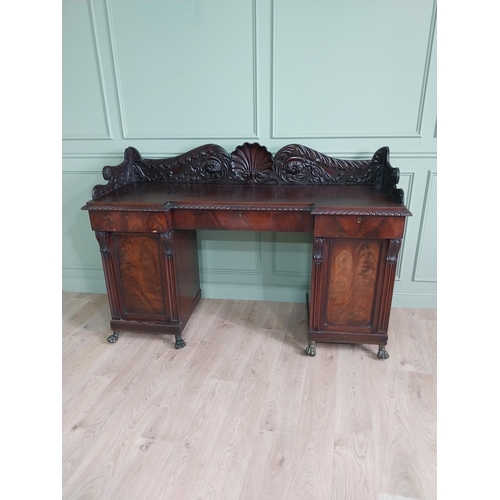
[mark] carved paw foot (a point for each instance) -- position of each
(113, 338)
(310, 349)
(179, 343)
(382, 353)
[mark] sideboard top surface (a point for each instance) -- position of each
(160, 196)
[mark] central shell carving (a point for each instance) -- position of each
(252, 163)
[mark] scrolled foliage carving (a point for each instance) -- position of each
(392, 253)
(301, 165)
(253, 164)
(318, 245)
(209, 163)
(166, 240)
(103, 240)
(117, 177)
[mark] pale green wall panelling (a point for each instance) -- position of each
(201, 83)
(361, 67)
(232, 254)
(425, 264)
(341, 77)
(82, 85)
(264, 266)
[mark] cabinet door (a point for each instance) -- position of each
(141, 277)
(352, 279)
(348, 294)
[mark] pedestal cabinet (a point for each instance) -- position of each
(152, 277)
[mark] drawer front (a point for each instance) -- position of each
(364, 226)
(129, 222)
(243, 220)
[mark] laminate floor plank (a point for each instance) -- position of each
(77, 363)
(235, 355)
(387, 496)
(420, 394)
(204, 315)
(182, 395)
(311, 460)
(354, 468)
(398, 469)
(109, 420)
(233, 451)
(145, 462)
(428, 336)
(408, 343)
(78, 402)
(266, 477)
(355, 398)
(70, 304)
(77, 317)
(94, 330)
(241, 412)
(281, 410)
(191, 451)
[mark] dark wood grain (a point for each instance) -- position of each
(136, 222)
(140, 276)
(243, 220)
(350, 289)
(185, 259)
(317, 199)
(362, 226)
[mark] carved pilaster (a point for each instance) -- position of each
(388, 287)
(103, 240)
(393, 251)
(167, 243)
(166, 240)
(318, 249)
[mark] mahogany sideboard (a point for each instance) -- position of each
(145, 219)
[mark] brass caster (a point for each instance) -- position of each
(382, 353)
(310, 350)
(179, 343)
(113, 338)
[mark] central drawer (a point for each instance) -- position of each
(243, 220)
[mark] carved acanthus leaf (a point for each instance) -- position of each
(117, 177)
(209, 163)
(318, 245)
(102, 239)
(167, 244)
(392, 253)
(298, 164)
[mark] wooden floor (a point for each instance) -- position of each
(241, 412)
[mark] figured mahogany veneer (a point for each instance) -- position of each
(146, 216)
(363, 226)
(243, 220)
